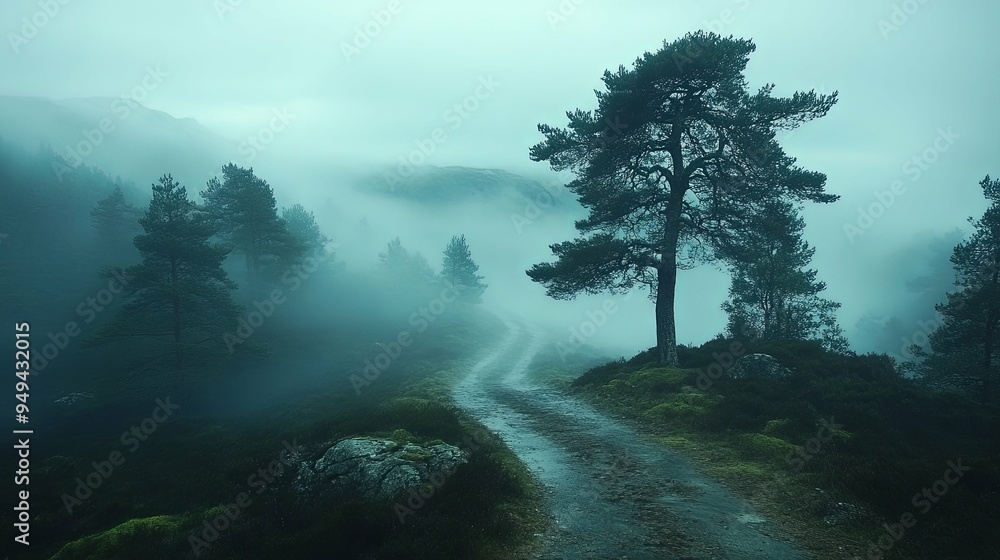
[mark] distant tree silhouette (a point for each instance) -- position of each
(964, 349)
(302, 225)
(459, 270)
(405, 271)
(116, 222)
(243, 206)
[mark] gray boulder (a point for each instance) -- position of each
(759, 366)
(378, 469)
(73, 398)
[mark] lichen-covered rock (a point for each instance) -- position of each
(759, 366)
(376, 468)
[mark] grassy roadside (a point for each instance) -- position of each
(177, 480)
(834, 455)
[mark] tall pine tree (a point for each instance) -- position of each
(179, 292)
(116, 222)
(667, 165)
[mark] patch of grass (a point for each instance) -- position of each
(840, 429)
(748, 472)
(764, 447)
(150, 537)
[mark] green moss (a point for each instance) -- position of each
(841, 436)
(401, 436)
(134, 534)
(660, 380)
(675, 408)
(763, 446)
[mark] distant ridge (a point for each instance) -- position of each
(137, 143)
(429, 184)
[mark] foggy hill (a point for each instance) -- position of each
(435, 185)
(137, 143)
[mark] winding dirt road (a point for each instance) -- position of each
(612, 493)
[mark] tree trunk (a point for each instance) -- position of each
(666, 329)
(666, 285)
(666, 272)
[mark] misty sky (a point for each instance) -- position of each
(233, 65)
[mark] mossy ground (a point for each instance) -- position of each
(165, 492)
(766, 440)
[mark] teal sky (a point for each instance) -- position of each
(914, 77)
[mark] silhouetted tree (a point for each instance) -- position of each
(243, 206)
(302, 225)
(405, 271)
(677, 154)
(773, 296)
(116, 222)
(179, 290)
(964, 349)
(459, 270)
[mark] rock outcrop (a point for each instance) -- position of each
(378, 469)
(759, 366)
